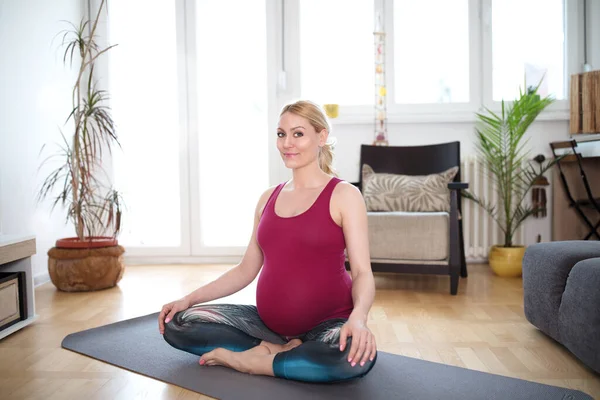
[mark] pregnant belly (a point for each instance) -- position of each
(294, 308)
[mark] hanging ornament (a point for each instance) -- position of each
(538, 191)
(380, 115)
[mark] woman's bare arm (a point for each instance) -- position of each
(230, 282)
(242, 274)
(356, 234)
(355, 227)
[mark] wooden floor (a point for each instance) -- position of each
(482, 328)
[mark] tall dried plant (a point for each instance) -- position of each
(93, 208)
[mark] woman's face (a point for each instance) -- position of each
(297, 140)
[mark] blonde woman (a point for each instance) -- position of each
(310, 319)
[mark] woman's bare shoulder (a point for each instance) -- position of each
(346, 191)
(346, 198)
(264, 197)
(267, 193)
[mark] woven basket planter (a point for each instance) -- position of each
(82, 270)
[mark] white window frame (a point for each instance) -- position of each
(480, 68)
(284, 85)
(426, 112)
(219, 253)
(573, 58)
(143, 254)
(288, 63)
(191, 249)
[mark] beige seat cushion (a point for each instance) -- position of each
(409, 236)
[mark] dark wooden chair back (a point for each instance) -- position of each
(412, 160)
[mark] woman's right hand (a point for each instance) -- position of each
(169, 310)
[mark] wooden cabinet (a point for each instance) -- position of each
(17, 305)
(12, 298)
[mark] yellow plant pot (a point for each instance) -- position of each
(507, 261)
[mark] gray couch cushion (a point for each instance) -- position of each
(579, 315)
(546, 267)
(408, 236)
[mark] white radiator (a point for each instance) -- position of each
(479, 230)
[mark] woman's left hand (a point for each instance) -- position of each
(363, 346)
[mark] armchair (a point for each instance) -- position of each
(417, 242)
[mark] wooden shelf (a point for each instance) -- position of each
(17, 326)
(15, 256)
(16, 247)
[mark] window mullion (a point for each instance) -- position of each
(486, 53)
(386, 8)
(291, 51)
(574, 51)
(476, 60)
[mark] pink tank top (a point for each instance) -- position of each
(303, 281)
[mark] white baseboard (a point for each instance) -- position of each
(40, 279)
(162, 260)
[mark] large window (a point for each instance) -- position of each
(232, 118)
(143, 88)
(336, 51)
(188, 85)
(431, 51)
(527, 46)
(441, 56)
(196, 87)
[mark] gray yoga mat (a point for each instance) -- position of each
(136, 345)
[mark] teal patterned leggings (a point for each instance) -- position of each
(203, 328)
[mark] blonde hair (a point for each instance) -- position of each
(318, 119)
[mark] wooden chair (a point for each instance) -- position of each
(579, 205)
(420, 160)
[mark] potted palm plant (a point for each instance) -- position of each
(92, 259)
(501, 145)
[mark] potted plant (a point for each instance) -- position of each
(92, 259)
(501, 145)
(533, 90)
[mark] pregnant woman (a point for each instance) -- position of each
(310, 319)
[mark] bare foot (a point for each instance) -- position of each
(253, 361)
(234, 360)
(292, 344)
(278, 348)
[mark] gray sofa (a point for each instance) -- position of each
(561, 288)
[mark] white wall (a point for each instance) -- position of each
(34, 103)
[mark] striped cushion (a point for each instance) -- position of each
(408, 193)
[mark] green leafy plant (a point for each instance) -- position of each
(94, 208)
(501, 144)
